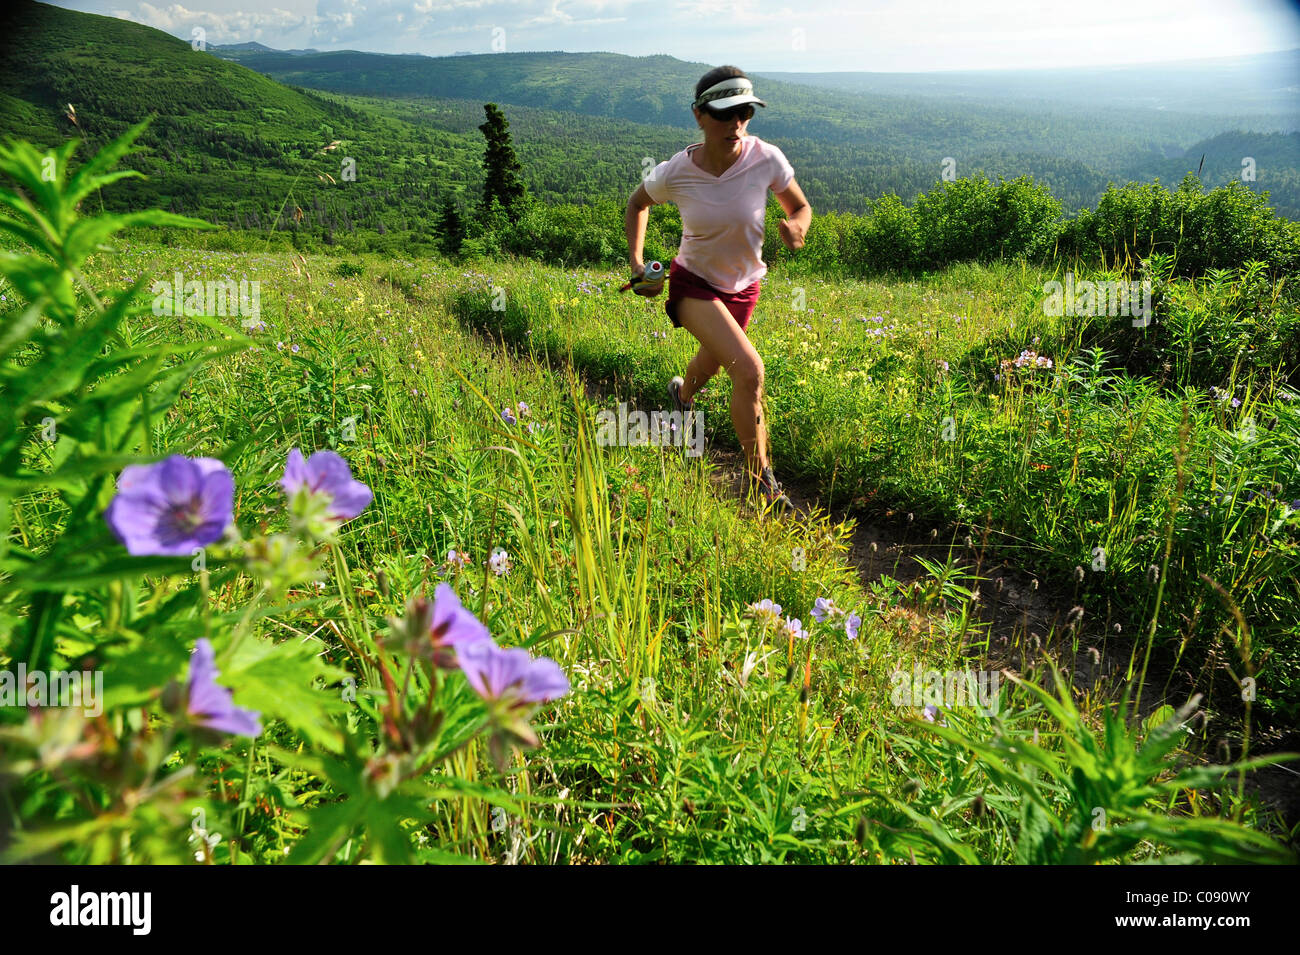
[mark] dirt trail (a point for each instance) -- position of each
(1024, 618)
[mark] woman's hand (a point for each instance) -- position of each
(649, 291)
(798, 215)
(792, 233)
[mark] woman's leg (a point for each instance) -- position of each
(725, 342)
(700, 369)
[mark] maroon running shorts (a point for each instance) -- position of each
(683, 283)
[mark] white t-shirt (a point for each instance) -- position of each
(722, 216)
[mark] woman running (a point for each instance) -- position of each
(720, 188)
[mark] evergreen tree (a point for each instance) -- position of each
(503, 181)
(450, 226)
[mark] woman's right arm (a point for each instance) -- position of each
(634, 223)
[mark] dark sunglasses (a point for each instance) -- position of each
(745, 112)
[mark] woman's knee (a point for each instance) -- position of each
(747, 374)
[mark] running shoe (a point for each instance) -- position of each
(772, 493)
(675, 392)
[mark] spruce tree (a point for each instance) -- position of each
(503, 181)
(451, 227)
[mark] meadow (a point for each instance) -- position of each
(730, 679)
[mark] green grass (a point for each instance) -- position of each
(694, 729)
(1072, 471)
(633, 572)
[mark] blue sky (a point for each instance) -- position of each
(804, 36)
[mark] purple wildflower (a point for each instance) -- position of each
(824, 608)
(765, 610)
(173, 506)
(325, 473)
(211, 705)
(511, 677)
(453, 628)
(507, 416)
(512, 684)
(852, 625)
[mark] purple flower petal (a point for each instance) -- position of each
(545, 681)
(490, 670)
(295, 472)
(327, 473)
(823, 609)
(237, 722)
(172, 507)
(350, 500)
(452, 626)
(210, 704)
(511, 676)
(179, 479)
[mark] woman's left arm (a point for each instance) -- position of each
(798, 215)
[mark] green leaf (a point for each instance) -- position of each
(327, 828)
(55, 575)
(279, 681)
(64, 371)
(1036, 837)
(139, 674)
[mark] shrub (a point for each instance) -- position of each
(974, 219)
(1226, 228)
(885, 240)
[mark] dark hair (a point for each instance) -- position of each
(716, 75)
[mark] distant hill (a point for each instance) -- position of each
(254, 47)
(250, 46)
(1262, 88)
(226, 143)
(872, 131)
(229, 142)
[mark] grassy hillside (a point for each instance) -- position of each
(455, 619)
(239, 149)
(854, 143)
(226, 143)
(694, 731)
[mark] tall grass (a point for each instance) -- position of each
(695, 730)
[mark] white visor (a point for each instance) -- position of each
(733, 91)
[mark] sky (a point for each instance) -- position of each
(781, 35)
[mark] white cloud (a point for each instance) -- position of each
(227, 27)
(884, 35)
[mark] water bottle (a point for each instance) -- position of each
(651, 278)
(653, 275)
